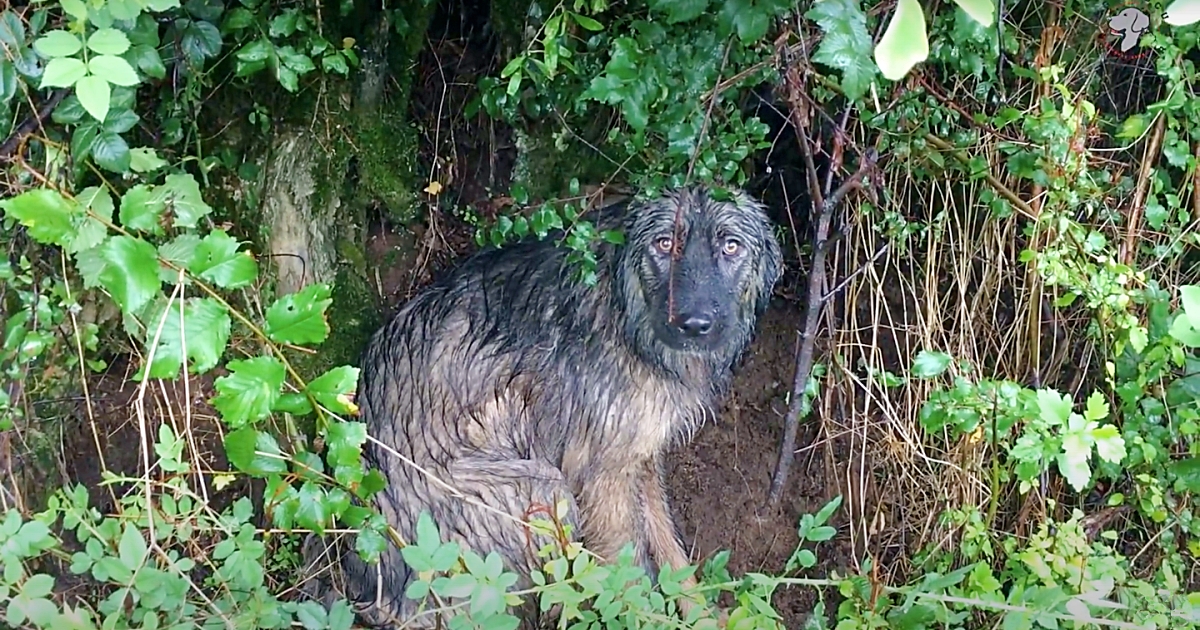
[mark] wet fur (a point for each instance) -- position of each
(518, 385)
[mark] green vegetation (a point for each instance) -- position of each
(1032, 226)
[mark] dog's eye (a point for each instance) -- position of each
(731, 247)
(664, 244)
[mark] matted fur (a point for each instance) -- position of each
(518, 385)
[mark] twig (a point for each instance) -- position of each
(827, 204)
(1129, 249)
(29, 125)
(861, 268)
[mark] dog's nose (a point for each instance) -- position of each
(695, 325)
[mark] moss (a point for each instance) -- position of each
(546, 167)
(353, 317)
(386, 154)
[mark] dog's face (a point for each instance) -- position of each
(707, 275)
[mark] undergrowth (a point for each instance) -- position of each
(1052, 488)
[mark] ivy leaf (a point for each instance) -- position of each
(675, 10)
(183, 193)
(247, 394)
(930, 364)
(205, 332)
(92, 232)
(846, 45)
(47, 215)
(63, 72)
(142, 207)
(131, 272)
(94, 94)
(108, 41)
(145, 160)
(111, 152)
(218, 261)
(905, 43)
(57, 44)
(254, 452)
(114, 69)
(299, 318)
(331, 389)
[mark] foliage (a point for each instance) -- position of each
(109, 216)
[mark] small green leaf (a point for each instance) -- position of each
(132, 548)
(592, 25)
(108, 41)
(218, 261)
(131, 272)
(1187, 472)
(204, 332)
(982, 11)
(930, 364)
(94, 94)
(1189, 296)
(1097, 407)
(312, 512)
(904, 43)
(92, 231)
(113, 69)
(250, 390)
(331, 388)
(299, 318)
(254, 452)
(57, 44)
(75, 8)
(64, 72)
(147, 59)
(1109, 443)
(142, 207)
(111, 152)
(145, 160)
(47, 215)
(183, 193)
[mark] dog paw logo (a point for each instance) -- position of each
(1125, 30)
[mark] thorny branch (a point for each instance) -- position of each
(827, 204)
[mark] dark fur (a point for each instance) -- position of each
(518, 385)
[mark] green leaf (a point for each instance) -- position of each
(331, 388)
(299, 318)
(217, 260)
(312, 512)
(91, 232)
(131, 272)
(8, 81)
(12, 30)
(982, 11)
(592, 25)
(1187, 472)
(749, 21)
(113, 69)
(675, 10)
(142, 208)
(1054, 408)
(57, 44)
(1073, 460)
(1109, 443)
(161, 6)
(64, 72)
(930, 364)
(94, 94)
(179, 252)
(147, 59)
(132, 548)
(846, 45)
(47, 215)
(111, 152)
(119, 120)
(1189, 296)
(254, 452)
(904, 43)
(250, 390)
(1184, 332)
(108, 41)
(205, 332)
(69, 111)
(145, 160)
(183, 193)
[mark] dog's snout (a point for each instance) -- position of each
(695, 324)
